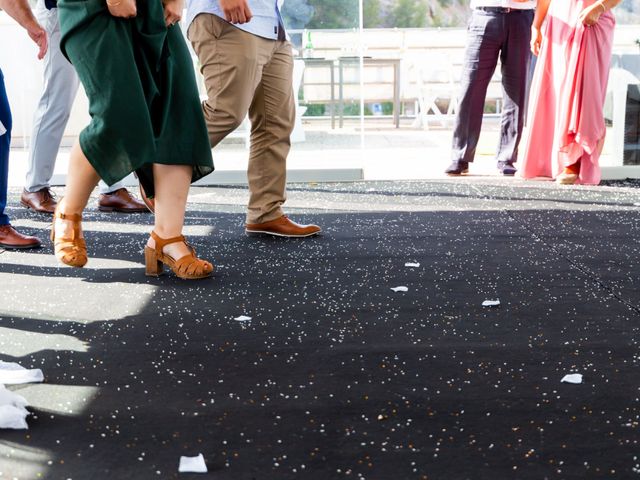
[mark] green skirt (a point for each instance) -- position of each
(142, 92)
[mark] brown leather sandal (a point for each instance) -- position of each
(70, 251)
(188, 267)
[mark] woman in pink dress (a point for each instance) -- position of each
(565, 122)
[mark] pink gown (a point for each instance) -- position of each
(565, 118)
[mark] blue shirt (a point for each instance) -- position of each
(266, 21)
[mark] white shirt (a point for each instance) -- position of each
(504, 4)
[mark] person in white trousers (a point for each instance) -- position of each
(52, 114)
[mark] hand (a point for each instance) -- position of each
(536, 40)
(236, 11)
(172, 11)
(590, 15)
(122, 8)
(39, 36)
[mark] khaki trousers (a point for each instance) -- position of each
(246, 73)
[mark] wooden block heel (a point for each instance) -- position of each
(71, 250)
(153, 266)
(188, 267)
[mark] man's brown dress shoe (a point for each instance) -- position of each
(11, 239)
(41, 201)
(120, 201)
(282, 227)
(149, 202)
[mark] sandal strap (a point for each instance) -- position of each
(65, 243)
(72, 217)
(190, 264)
(161, 242)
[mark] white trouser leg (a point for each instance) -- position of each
(52, 113)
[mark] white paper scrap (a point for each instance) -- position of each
(13, 413)
(400, 289)
(491, 303)
(242, 318)
(192, 465)
(413, 265)
(575, 378)
(13, 374)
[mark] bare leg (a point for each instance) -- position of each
(81, 180)
(171, 189)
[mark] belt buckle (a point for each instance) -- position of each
(507, 10)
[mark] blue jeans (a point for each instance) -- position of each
(5, 142)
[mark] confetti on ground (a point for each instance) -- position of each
(412, 265)
(192, 465)
(491, 303)
(575, 378)
(400, 289)
(404, 385)
(242, 318)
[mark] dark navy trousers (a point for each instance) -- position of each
(5, 141)
(492, 36)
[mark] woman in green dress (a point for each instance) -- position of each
(145, 117)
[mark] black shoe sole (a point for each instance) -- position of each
(31, 209)
(258, 233)
(20, 247)
(456, 174)
(121, 210)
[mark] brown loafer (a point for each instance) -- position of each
(42, 201)
(120, 201)
(11, 239)
(282, 227)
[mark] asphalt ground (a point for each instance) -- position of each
(336, 375)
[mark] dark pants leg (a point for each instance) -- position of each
(484, 40)
(5, 141)
(515, 59)
(487, 40)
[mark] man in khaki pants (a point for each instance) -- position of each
(247, 66)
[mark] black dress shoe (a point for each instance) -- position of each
(507, 169)
(457, 168)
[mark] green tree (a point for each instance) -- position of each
(372, 14)
(410, 13)
(296, 13)
(334, 14)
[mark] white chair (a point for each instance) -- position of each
(435, 80)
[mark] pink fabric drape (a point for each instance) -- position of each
(565, 118)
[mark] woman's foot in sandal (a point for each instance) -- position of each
(178, 255)
(68, 241)
(569, 175)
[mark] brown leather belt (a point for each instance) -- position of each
(502, 9)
